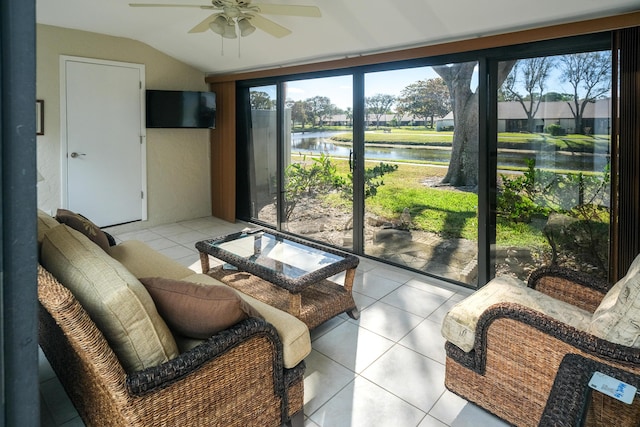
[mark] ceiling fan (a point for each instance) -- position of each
(245, 14)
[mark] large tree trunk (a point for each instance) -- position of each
(463, 167)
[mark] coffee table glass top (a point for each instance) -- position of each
(278, 253)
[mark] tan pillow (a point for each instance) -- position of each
(197, 310)
(83, 225)
(616, 318)
(45, 223)
(116, 301)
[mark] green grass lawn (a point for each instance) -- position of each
(400, 136)
(448, 212)
(422, 136)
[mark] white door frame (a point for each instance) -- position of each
(64, 202)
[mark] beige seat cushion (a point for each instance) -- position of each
(116, 301)
(459, 325)
(293, 333)
(143, 261)
(617, 318)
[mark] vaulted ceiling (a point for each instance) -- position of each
(346, 28)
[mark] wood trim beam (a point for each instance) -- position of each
(526, 36)
(223, 153)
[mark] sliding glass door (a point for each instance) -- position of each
(301, 178)
(420, 185)
(262, 150)
(554, 160)
(463, 170)
(318, 187)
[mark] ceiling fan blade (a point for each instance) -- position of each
(289, 10)
(204, 25)
(268, 26)
(169, 5)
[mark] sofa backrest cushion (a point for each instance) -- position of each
(116, 301)
(197, 310)
(45, 223)
(617, 317)
(143, 261)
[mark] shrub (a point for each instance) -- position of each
(517, 198)
(321, 178)
(555, 130)
(581, 199)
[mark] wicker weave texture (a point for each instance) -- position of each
(572, 401)
(570, 286)
(293, 284)
(317, 303)
(241, 385)
(520, 366)
(79, 354)
(222, 392)
(518, 351)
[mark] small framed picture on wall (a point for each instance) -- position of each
(39, 117)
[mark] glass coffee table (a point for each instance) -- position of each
(285, 272)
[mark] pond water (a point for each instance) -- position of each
(320, 142)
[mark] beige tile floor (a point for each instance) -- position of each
(385, 369)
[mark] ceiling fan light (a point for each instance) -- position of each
(245, 27)
(230, 31)
(218, 25)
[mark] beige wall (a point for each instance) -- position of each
(178, 166)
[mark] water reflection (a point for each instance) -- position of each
(320, 142)
(308, 143)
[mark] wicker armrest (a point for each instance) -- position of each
(158, 377)
(569, 401)
(552, 330)
(574, 287)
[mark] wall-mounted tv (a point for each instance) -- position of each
(180, 109)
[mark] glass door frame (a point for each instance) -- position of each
(488, 114)
(280, 197)
(488, 61)
(358, 162)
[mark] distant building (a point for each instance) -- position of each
(596, 118)
(511, 118)
(385, 120)
(445, 123)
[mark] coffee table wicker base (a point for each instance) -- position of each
(316, 304)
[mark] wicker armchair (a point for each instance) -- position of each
(236, 378)
(517, 352)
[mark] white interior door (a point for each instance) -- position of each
(104, 140)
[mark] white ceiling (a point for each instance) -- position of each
(346, 28)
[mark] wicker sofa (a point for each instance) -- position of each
(249, 374)
(506, 342)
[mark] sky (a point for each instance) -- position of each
(340, 89)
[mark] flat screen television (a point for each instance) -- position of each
(180, 109)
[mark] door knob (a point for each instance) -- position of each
(74, 155)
